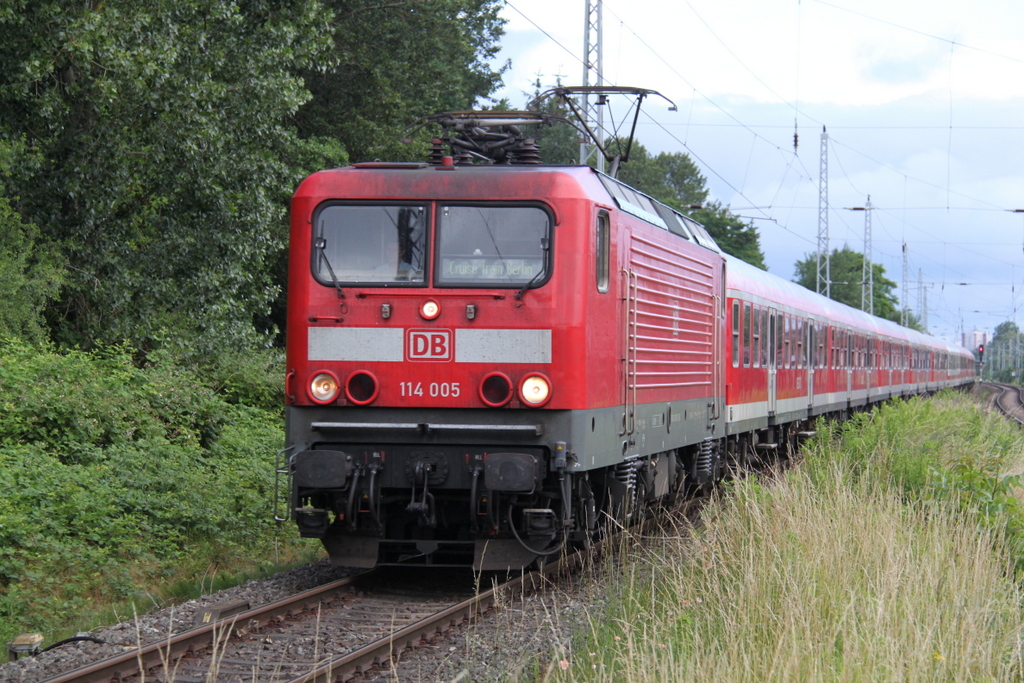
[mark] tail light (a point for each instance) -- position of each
(361, 387)
(496, 389)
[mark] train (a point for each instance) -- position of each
(485, 361)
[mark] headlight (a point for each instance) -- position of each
(430, 309)
(535, 390)
(324, 387)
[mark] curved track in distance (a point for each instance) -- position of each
(1008, 400)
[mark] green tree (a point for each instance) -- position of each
(394, 62)
(32, 269)
(847, 271)
(735, 237)
(1004, 354)
(165, 160)
(673, 178)
(560, 142)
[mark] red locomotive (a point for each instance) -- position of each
(484, 358)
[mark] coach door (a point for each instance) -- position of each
(774, 346)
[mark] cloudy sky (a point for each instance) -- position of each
(923, 102)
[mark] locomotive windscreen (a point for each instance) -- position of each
(492, 246)
(370, 244)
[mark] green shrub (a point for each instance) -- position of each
(118, 476)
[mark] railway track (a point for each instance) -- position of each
(1008, 401)
(336, 632)
(357, 627)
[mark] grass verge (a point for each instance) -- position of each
(890, 554)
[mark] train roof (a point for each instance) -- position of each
(741, 277)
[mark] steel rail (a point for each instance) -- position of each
(388, 649)
(382, 652)
(165, 652)
(1005, 389)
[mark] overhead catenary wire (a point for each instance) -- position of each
(770, 211)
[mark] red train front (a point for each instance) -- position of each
(480, 358)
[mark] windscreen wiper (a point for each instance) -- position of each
(320, 245)
(544, 248)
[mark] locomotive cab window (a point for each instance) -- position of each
(492, 246)
(603, 251)
(365, 244)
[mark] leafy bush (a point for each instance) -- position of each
(118, 475)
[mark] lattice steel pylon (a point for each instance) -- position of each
(922, 301)
(905, 304)
(824, 258)
(593, 65)
(867, 287)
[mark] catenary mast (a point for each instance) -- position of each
(593, 68)
(824, 258)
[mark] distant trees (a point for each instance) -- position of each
(847, 274)
(735, 236)
(1004, 354)
(673, 178)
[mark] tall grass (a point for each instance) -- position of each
(879, 559)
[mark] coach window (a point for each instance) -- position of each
(735, 334)
(798, 342)
(603, 240)
(765, 335)
(822, 346)
(818, 346)
(784, 356)
(369, 244)
(757, 337)
(746, 335)
(787, 352)
(780, 357)
(488, 245)
(803, 343)
(813, 341)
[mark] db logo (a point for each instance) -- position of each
(428, 345)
